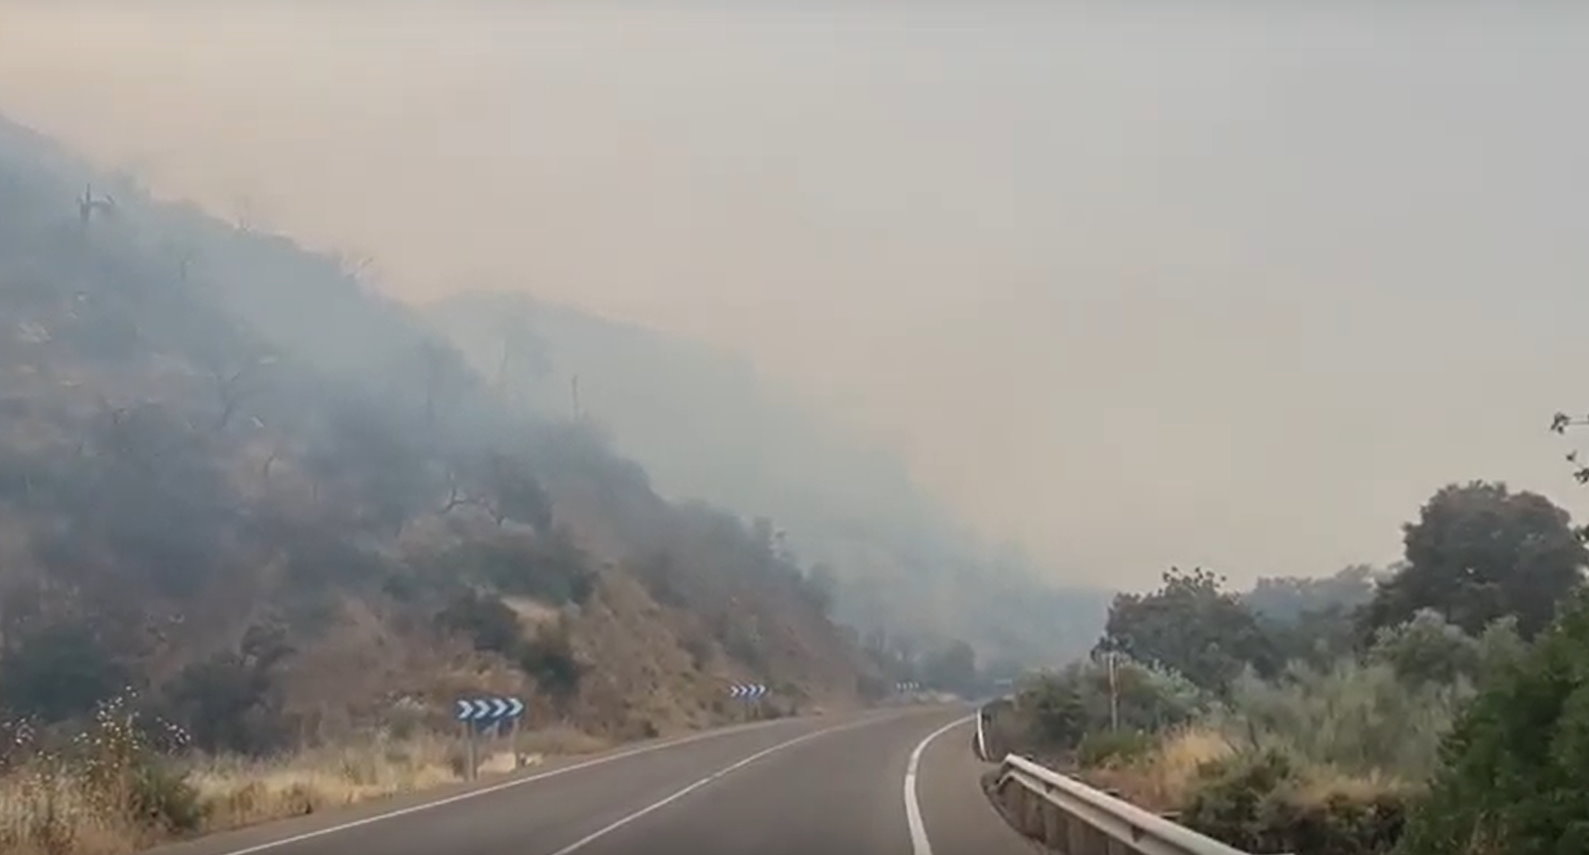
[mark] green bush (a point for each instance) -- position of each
(1515, 771)
(1427, 649)
(1103, 747)
(1258, 801)
(161, 797)
(548, 656)
(1058, 712)
(1234, 796)
(229, 702)
(549, 568)
(550, 659)
(1354, 717)
(1344, 825)
(1065, 706)
(485, 620)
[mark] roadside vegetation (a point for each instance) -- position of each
(125, 782)
(1435, 707)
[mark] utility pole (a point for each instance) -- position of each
(1114, 695)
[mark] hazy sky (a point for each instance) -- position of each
(1134, 284)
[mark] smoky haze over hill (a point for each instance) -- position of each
(707, 427)
(1130, 286)
(273, 505)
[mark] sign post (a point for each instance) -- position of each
(747, 693)
(477, 715)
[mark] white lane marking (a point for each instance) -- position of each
(655, 806)
(919, 843)
(496, 788)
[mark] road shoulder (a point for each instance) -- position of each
(958, 817)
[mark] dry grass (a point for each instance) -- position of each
(1320, 785)
(48, 809)
(559, 740)
(1163, 779)
(237, 792)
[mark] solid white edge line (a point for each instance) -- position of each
(919, 843)
(726, 770)
(496, 788)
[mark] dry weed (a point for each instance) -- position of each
(49, 807)
(559, 740)
(237, 792)
(1320, 785)
(48, 810)
(1163, 778)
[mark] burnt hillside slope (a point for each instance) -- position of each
(240, 482)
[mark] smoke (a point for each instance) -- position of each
(1131, 287)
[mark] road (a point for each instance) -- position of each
(897, 782)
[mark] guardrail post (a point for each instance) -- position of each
(1076, 835)
(1053, 827)
(1015, 800)
(1035, 824)
(1099, 843)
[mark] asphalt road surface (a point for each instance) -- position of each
(898, 782)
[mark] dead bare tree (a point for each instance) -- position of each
(89, 205)
(247, 218)
(458, 494)
(442, 375)
(234, 385)
(277, 447)
(356, 266)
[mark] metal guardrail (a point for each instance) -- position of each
(1068, 816)
(981, 745)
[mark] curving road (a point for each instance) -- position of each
(882, 783)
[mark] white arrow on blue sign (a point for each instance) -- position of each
(748, 691)
(488, 709)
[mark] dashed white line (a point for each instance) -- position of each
(658, 805)
(495, 788)
(919, 843)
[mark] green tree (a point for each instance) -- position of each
(1480, 552)
(1059, 712)
(1427, 649)
(1309, 619)
(1067, 705)
(1515, 777)
(1191, 626)
(1291, 599)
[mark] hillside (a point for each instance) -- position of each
(706, 426)
(274, 504)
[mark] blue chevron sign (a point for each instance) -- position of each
(487, 710)
(747, 691)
